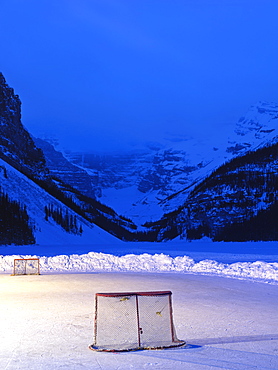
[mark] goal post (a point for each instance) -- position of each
(26, 266)
(134, 321)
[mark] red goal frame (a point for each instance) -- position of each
(144, 313)
(25, 272)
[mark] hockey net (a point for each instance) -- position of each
(133, 321)
(28, 266)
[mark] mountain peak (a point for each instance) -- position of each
(16, 143)
(259, 121)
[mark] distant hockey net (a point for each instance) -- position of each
(133, 321)
(28, 266)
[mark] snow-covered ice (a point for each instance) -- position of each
(47, 322)
(225, 308)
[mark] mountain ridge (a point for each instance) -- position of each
(188, 188)
(157, 180)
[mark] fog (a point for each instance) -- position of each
(105, 75)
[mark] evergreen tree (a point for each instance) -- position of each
(15, 227)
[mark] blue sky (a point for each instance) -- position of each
(107, 74)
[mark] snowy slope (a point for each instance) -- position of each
(22, 189)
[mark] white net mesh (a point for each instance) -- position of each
(26, 266)
(134, 321)
(155, 321)
(19, 267)
(116, 322)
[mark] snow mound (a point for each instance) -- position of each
(101, 262)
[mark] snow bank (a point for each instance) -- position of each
(100, 262)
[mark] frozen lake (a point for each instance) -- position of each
(47, 322)
(198, 250)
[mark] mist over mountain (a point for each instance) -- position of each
(223, 187)
(158, 179)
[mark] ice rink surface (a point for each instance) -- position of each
(47, 322)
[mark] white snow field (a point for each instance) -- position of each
(224, 308)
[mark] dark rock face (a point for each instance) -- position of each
(168, 172)
(16, 143)
(60, 167)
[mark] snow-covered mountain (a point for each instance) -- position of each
(237, 202)
(224, 187)
(145, 184)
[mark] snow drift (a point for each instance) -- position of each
(101, 262)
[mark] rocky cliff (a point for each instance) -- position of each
(30, 188)
(16, 144)
(60, 167)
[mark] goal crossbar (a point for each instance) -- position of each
(158, 293)
(133, 321)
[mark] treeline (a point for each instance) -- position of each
(15, 227)
(263, 227)
(242, 171)
(88, 208)
(67, 221)
(251, 179)
(224, 206)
